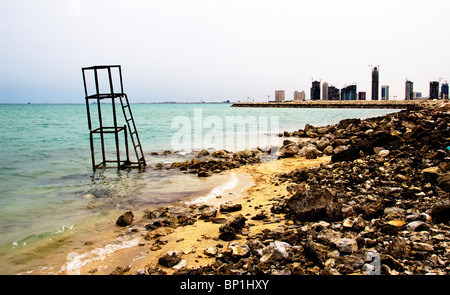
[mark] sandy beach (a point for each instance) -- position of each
(192, 240)
(359, 197)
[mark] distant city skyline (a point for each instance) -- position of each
(214, 50)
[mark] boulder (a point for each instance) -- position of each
(230, 207)
(310, 151)
(125, 219)
(221, 154)
(204, 174)
(202, 153)
(276, 251)
(313, 204)
(169, 260)
(349, 155)
(441, 212)
(417, 226)
(231, 228)
(288, 151)
(347, 245)
(444, 181)
(322, 143)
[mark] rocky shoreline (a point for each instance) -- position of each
(380, 206)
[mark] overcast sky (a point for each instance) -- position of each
(214, 50)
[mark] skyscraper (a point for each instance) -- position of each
(385, 92)
(349, 93)
(315, 90)
(325, 91)
(333, 93)
(434, 90)
(375, 78)
(409, 93)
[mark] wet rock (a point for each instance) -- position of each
(222, 154)
(310, 205)
(202, 153)
(169, 260)
(125, 219)
(204, 174)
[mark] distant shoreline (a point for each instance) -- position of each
(373, 104)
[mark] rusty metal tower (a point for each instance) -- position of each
(104, 91)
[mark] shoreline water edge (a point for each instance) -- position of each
(366, 196)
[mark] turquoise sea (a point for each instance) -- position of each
(48, 187)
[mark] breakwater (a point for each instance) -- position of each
(360, 104)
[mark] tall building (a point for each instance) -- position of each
(325, 91)
(409, 93)
(279, 95)
(333, 93)
(315, 90)
(375, 81)
(298, 96)
(349, 93)
(444, 91)
(434, 90)
(385, 92)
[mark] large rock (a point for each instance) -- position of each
(288, 151)
(441, 212)
(276, 251)
(230, 207)
(444, 181)
(231, 228)
(310, 151)
(169, 260)
(314, 204)
(322, 143)
(125, 219)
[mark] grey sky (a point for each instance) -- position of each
(216, 50)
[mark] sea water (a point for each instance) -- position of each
(48, 187)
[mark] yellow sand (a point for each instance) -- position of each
(193, 239)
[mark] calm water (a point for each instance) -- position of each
(45, 164)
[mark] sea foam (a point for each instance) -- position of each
(77, 261)
(217, 191)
